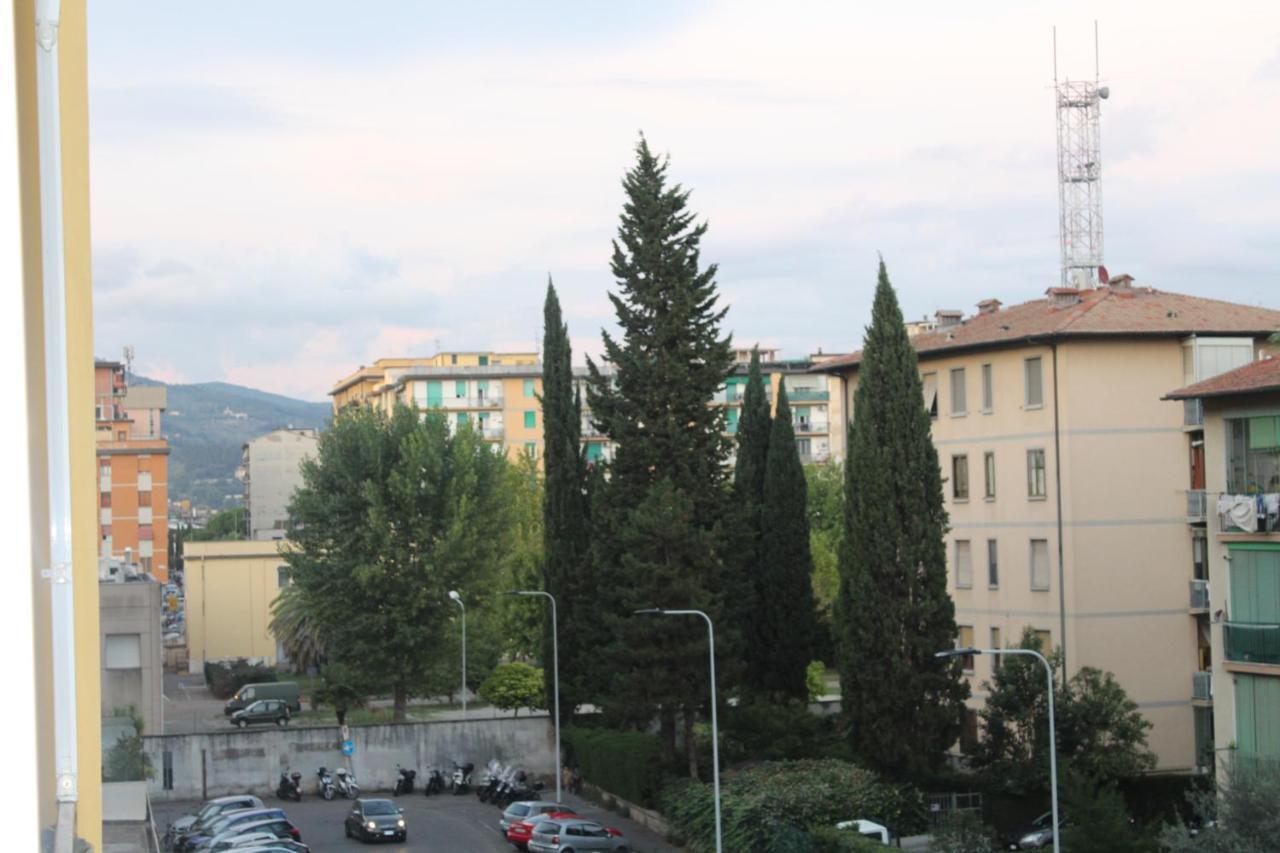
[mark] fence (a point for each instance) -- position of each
(942, 805)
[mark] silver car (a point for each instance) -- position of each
(573, 836)
(525, 808)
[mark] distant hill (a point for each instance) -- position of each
(207, 424)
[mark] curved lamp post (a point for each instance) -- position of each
(1053, 743)
(555, 672)
(453, 594)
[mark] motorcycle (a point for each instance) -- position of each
(404, 782)
(326, 783)
(346, 783)
(489, 782)
(518, 787)
(434, 783)
(461, 781)
(503, 789)
(290, 787)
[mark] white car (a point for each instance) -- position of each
(867, 829)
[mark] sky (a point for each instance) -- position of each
(284, 191)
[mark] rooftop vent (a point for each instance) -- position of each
(988, 306)
(1063, 297)
(948, 318)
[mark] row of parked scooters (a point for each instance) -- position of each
(500, 785)
(330, 784)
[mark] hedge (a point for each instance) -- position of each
(776, 806)
(224, 678)
(626, 764)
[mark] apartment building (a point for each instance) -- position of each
(133, 470)
(1066, 475)
(1234, 430)
(230, 588)
(817, 412)
(270, 469)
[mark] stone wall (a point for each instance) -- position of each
(200, 766)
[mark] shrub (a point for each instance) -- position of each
(512, 686)
(963, 832)
(761, 806)
(828, 839)
(224, 678)
(815, 679)
(772, 731)
(626, 764)
(125, 760)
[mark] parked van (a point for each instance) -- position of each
(286, 690)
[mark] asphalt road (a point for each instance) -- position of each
(439, 824)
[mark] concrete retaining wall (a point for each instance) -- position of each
(214, 765)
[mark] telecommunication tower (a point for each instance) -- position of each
(1080, 173)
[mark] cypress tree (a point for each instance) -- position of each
(785, 619)
(893, 611)
(566, 545)
(667, 366)
(753, 438)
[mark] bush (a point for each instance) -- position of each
(125, 760)
(963, 832)
(815, 679)
(626, 764)
(828, 839)
(512, 686)
(771, 731)
(224, 678)
(763, 805)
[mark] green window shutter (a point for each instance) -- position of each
(435, 394)
(531, 449)
(482, 387)
(462, 418)
(484, 361)
(460, 388)
(1264, 433)
(530, 420)
(732, 423)
(1255, 585)
(528, 387)
(595, 452)
(1257, 715)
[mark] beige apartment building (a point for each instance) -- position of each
(1066, 479)
(271, 470)
(1236, 593)
(817, 410)
(230, 588)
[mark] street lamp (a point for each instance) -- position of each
(555, 670)
(453, 593)
(1053, 743)
(715, 730)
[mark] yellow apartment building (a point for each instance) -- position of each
(817, 409)
(230, 587)
(1066, 479)
(1236, 593)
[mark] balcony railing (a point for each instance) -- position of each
(1199, 595)
(1252, 642)
(1196, 505)
(811, 426)
(1202, 686)
(491, 433)
(1193, 412)
(1238, 513)
(806, 396)
(485, 402)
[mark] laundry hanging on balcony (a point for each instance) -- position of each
(1238, 512)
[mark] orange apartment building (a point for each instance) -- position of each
(133, 470)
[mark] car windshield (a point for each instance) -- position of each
(518, 810)
(377, 807)
(1043, 822)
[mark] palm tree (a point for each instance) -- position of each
(295, 628)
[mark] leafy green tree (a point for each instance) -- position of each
(1101, 734)
(342, 688)
(519, 626)
(394, 511)
(893, 613)
(825, 486)
(1100, 821)
(230, 524)
(669, 463)
(785, 620)
(815, 680)
(1239, 816)
(512, 686)
(126, 760)
(964, 832)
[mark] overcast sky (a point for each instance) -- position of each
(283, 191)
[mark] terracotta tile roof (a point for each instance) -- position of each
(1252, 378)
(1123, 311)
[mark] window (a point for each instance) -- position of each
(930, 382)
(1035, 474)
(484, 361)
(1253, 455)
(1046, 641)
(995, 644)
(482, 389)
(993, 564)
(144, 499)
(105, 499)
(964, 564)
(282, 577)
(988, 391)
(460, 389)
(531, 449)
(958, 404)
(144, 531)
(966, 642)
(105, 468)
(528, 387)
(1034, 383)
(731, 421)
(804, 448)
(989, 471)
(122, 651)
(960, 477)
(1199, 558)
(453, 358)
(530, 420)
(144, 481)
(462, 418)
(1040, 565)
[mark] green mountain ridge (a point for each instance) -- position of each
(208, 423)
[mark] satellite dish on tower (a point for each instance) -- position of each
(1104, 277)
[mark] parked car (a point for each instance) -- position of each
(529, 808)
(244, 839)
(208, 813)
(1036, 835)
(228, 820)
(374, 820)
(263, 711)
(573, 836)
(250, 693)
(282, 845)
(868, 829)
(521, 829)
(276, 827)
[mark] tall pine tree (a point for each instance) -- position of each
(566, 543)
(786, 619)
(893, 612)
(667, 366)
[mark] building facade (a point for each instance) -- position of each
(1235, 598)
(817, 409)
(1065, 477)
(271, 471)
(133, 471)
(230, 587)
(132, 658)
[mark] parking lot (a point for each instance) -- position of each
(441, 824)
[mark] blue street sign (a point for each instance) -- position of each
(348, 747)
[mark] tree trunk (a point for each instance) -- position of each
(690, 747)
(400, 711)
(668, 733)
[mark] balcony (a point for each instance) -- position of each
(806, 396)
(811, 427)
(1201, 687)
(1196, 506)
(1252, 642)
(1193, 413)
(1199, 596)
(485, 402)
(491, 433)
(1248, 513)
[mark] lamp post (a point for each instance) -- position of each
(715, 730)
(1053, 743)
(453, 594)
(555, 670)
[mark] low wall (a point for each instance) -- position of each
(201, 766)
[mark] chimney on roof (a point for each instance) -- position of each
(988, 306)
(948, 318)
(1121, 282)
(1063, 297)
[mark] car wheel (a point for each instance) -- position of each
(242, 723)
(281, 722)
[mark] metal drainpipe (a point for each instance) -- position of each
(1057, 482)
(56, 415)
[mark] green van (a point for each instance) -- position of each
(286, 690)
